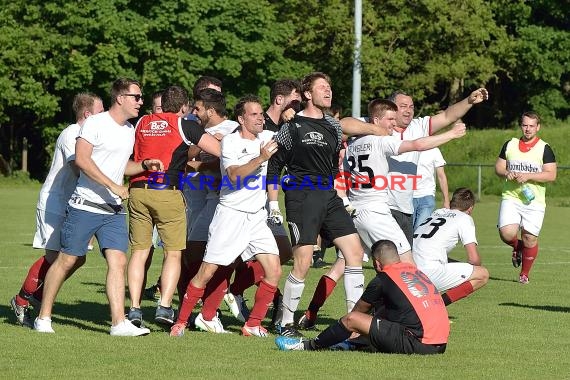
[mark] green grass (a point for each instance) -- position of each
(503, 331)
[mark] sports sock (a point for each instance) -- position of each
(457, 293)
(34, 280)
(528, 258)
(292, 292)
(324, 289)
(332, 335)
(353, 285)
(191, 297)
(263, 297)
(215, 291)
(514, 242)
(249, 275)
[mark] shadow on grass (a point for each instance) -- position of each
(557, 309)
(503, 279)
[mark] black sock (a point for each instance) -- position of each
(332, 335)
(446, 299)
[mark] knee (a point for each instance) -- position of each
(529, 240)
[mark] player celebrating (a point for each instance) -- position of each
(438, 235)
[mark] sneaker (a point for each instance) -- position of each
(237, 306)
(277, 312)
(259, 331)
(288, 331)
(523, 279)
(306, 324)
(164, 315)
(152, 293)
(126, 328)
(289, 344)
(517, 254)
(135, 316)
(320, 263)
(22, 314)
(43, 325)
(213, 326)
(177, 330)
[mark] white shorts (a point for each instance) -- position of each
(201, 221)
(449, 275)
(48, 230)
(233, 233)
(528, 217)
(373, 226)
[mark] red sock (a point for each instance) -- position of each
(34, 280)
(186, 274)
(529, 255)
(514, 242)
(324, 289)
(214, 293)
(263, 297)
(193, 294)
(459, 292)
(250, 275)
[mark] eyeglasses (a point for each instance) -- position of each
(137, 97)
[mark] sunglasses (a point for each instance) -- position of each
(137, 97)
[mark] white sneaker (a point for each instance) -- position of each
(43, 325)
(237, 306)
(213, 326)
(126, 328)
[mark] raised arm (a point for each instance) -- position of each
(458, 110)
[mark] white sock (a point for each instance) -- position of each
(353, 285)
(292, 292)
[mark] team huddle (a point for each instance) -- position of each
(219, 240)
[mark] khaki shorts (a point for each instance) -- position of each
(165, 209)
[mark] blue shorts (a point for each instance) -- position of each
(79, 225)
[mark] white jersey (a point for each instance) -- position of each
(406, 164)
(367, 160)
(249, 193)
(112, 147)
(224, 128)
(439, 234)
(61, 179)
(428, 162)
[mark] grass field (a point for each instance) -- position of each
(504, 331)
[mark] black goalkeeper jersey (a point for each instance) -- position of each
(309, 148)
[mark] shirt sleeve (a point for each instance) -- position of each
(284, 139)
(89, 132)
(548, 155)
(438, 159)
(373, 291)
(467, 231)
(229, 152)
(68, 145)
(503, 153)
(191, 131)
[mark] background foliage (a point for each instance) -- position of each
(437, 50)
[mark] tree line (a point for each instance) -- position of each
(436, 50)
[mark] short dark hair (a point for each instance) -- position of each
(82, 102)
(174, 98)
(309, 80)
(121, 86)
(462, 199)
(239, 108)
(157, 94)
(378, 107)
(384, 251)
(531, 115)
(283, 87)
(395, 94)
(212, 99)
(203, 82)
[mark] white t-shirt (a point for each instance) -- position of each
(400, 197)
(366, 157)
(439, 234)
(61, 180)
(112, 147)
(429, 161)
(249, 193)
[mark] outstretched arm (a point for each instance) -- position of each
(458, 110)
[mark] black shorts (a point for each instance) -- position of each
(314, 212)
(406, 223)
(390, 337)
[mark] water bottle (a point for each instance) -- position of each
(527, 193)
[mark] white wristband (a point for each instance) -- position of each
(274, 205)
(345, 201)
